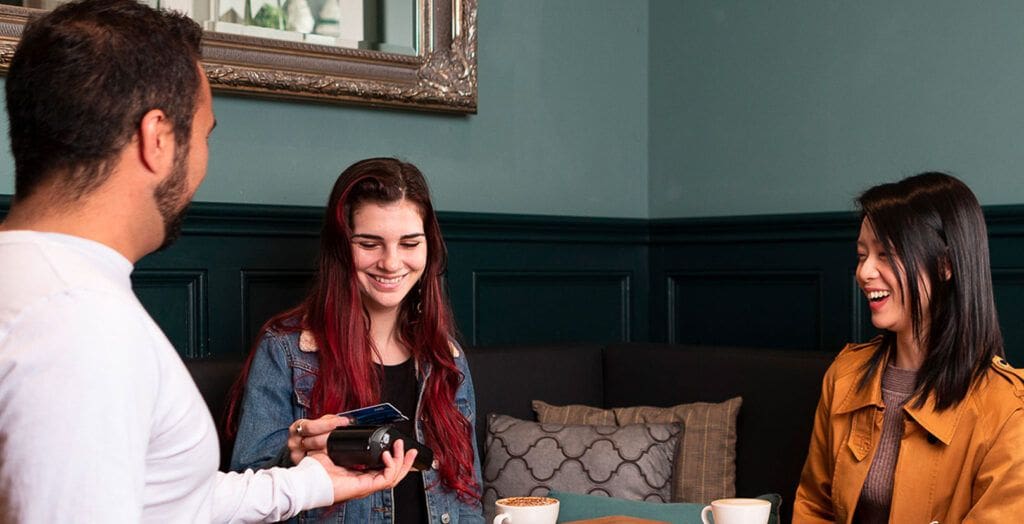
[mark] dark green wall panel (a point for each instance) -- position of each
(774, 281)
(254, 259)
(517, 307)
(775, 309)
(247, 278)
(1009, 292)
(266, 293)
(777, 281)
(586, 277)
(862, 329)
(176, 299)
(798, 244)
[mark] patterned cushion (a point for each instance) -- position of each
(705, 461)
(528, 458)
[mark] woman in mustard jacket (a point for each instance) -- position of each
(924, 423)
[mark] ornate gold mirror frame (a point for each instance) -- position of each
(441, 77)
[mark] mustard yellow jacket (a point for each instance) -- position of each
(964, 464)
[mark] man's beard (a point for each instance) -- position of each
(171, 200)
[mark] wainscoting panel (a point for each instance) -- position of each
(587, 276)
(862, 328)
(176, 299)
(778, 281)
(778, 309)
(774, 281)
(1006, 246)
(254, 259)
(266, 293)
(1009, 292)
(516, 279)
(539, 307)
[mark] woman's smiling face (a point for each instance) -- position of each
(389, 251)
(886, 294)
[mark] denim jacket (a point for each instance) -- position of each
(278, 392)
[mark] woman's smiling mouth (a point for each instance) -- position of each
(387, 282)
(877, 298)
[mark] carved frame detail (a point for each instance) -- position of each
(442, 77)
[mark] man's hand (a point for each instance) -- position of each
(351, 484)
(309, 438)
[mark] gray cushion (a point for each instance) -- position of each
(528, 458)
(705, 460)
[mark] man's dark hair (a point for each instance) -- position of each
(82, 78)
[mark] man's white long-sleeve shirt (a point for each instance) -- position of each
(99, 419)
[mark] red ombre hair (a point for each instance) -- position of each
(333, 312)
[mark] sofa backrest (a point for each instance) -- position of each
(506, 379)
(780, 391)
(779, 388)
(214, 378)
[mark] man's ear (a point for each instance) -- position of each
(156, 142)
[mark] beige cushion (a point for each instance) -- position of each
(705, 459)
(573, 414)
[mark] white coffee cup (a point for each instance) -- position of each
(737, 511)
(526, 510)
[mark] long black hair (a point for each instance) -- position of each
(932, 223)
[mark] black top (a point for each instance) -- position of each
(401, 390)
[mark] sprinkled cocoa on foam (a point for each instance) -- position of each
(527, 501)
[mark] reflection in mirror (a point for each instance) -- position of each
(381, 25)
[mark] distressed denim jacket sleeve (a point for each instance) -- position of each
(465, 398)
(269, 404)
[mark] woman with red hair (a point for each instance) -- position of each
(375, 327)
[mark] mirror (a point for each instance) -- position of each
(416, 54)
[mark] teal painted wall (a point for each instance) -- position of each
(796, 106)
(561, 129)
(667, 108)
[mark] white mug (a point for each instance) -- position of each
(737, 511)
(526, 510)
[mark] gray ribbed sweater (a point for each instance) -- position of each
(876, 497)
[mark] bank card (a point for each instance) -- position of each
(384, 413)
